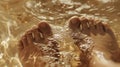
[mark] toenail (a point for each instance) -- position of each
(43, 25)
(74, 23)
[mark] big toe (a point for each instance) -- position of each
(74, 23)
(45, 29)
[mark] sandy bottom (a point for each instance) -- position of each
(18, 16)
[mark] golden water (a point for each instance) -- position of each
(16, 16)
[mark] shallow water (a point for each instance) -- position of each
(16, 16)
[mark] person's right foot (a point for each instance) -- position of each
(93, 34)
(37, 48)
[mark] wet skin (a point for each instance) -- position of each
(97, 34)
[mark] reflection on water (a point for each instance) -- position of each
(16, 16)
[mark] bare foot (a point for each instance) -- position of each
(37, 48)
(92, 36)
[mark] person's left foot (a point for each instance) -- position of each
(93, 34)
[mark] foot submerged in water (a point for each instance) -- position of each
(96, 36)
(37, 43)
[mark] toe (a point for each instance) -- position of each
(29, 38)
(84, 27)
(104, 27)
(84, 22)
(91, 23)
(20, 46)
(74, 23)
(100, 27)
(92, 26)
(24, 41)
(45, 29)
(37, 35)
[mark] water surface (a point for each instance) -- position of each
(16, 16)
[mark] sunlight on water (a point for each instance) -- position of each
(105, 1)
(17, 16)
